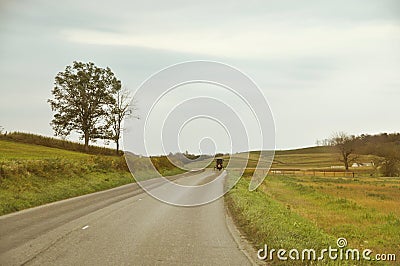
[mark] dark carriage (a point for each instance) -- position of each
(219, 164)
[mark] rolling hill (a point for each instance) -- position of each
(31, 175)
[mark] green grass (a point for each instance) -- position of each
(32, 175)
(11, 150)
(312, 212)
(266, 221)
(361, 209)
(29, 138)
(29, 191)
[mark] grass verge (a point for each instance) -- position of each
(29, 191)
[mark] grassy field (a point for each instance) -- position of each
(32, 175)
(308, 158)
(312, 212)
(307, 211)
(50, 142)
(11, 150)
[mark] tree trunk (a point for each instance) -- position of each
(117, 144)
(346, 164)
(86, 141)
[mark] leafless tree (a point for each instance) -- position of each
(345, 144)
(123, 107)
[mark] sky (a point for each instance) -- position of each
(323, 66)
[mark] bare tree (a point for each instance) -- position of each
(122, 107)
(322, 142)
(345, 144)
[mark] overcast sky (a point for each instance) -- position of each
(323, 66)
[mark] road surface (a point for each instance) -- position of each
(122, 226)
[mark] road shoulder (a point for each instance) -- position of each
(241, 240)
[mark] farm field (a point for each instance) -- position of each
(307, 160)
(310, 212)
(366, 212)
(312, 209)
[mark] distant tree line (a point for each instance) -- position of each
(90, 101)
(385, 146)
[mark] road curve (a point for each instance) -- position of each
(122, 226)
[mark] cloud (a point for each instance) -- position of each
(262, 41)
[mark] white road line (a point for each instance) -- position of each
(85, 227)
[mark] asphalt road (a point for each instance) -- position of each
(122, 226)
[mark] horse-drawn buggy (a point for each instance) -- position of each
(219, 164)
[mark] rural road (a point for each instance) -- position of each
(122, 226)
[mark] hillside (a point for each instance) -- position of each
(306, 158)
(32, 175)
(22, 151)
(308, 150)
(29, 138)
